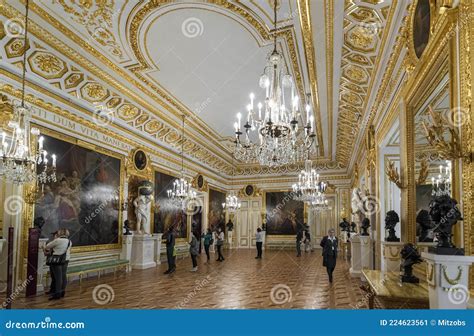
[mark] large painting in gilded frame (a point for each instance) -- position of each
(167, 214)
(216, 212)
(85, 196)
(284, 215)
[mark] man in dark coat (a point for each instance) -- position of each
(170, 241)
(329, 244)
(299, 238)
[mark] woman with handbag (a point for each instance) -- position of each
(58, 261)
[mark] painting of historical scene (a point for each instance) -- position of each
(421, 26)
(216, 212)
(83, 199)
(166, 212)
(284, 215)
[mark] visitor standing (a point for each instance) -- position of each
(259, 242)
(60, 253)
(208, 241)
(194, 250)
(329, 244)
(170, 255)
(299, 238)
(220, 243)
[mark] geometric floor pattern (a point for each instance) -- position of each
(279, 280)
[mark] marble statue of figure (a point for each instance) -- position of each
(142, 211)
(356, 201)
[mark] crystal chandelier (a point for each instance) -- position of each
(441, 185)
(309, 187)
(22, 156)
(276, 123)
(181, 193)
(232, 203)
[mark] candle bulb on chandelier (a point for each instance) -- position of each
(252, 96)
(54, 160)
(308, 108)
(259, 111)
(239, 117)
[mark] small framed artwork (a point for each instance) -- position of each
(140, 159)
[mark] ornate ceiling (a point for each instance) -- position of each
(151, 61)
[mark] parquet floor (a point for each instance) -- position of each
(279, 280)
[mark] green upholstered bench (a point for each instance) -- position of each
(98, 267)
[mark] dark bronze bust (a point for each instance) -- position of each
(444, 215)
(410, 256)
(365, 226)
(424, 220)
(391, 220)
(126, 226)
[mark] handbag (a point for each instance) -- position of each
(55, 259)
(211, 241)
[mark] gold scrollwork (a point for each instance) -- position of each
(455, 280)
(393, 175)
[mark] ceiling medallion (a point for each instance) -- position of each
(276, 124)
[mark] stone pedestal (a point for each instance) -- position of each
(127, 241)
(230, 239)
(391, 256)
(356, 266)
(41, 265)
(448, 280)
(366, 254)
(143, 252)
(158, 238)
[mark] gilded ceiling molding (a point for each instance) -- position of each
(96, 17)
(307, 33)
(60, 74)
(72, 55)
(365, 38)
(171, 157)
(144, 11)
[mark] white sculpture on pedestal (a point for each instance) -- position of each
(142, 211)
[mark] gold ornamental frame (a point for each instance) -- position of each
(264, 213)
(423, 75)
(28, 211)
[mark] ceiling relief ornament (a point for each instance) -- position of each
(47, 65)
(98, 18)
(94, 92)
(364, 27)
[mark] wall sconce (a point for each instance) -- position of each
(392, 173)
(448, 149)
